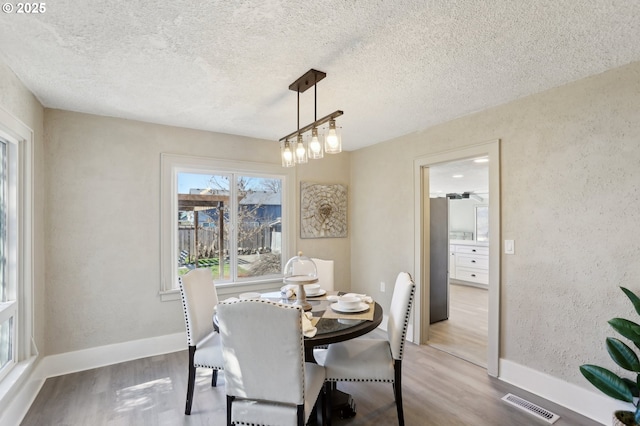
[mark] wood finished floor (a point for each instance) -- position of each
(438, 389)
(465, 333)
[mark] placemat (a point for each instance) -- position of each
(367, 315)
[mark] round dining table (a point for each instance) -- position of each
(331, 330)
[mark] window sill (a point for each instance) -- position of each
(16, 378)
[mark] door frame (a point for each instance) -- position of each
(422, 236)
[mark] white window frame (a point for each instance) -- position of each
(173, 164)
(21, 254)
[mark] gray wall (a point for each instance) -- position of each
(103, 224)
(570, 185)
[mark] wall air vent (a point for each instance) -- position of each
(531, 408)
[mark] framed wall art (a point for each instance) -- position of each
(323, 210)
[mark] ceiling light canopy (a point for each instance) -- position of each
(297, 147)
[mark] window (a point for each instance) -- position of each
(228, 216)
(7, 286)
(16, 333)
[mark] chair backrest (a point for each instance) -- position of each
(325, 273)
(199, 297)
(399, 313)
(263, 350)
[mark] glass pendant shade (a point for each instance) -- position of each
(286, 153)
(315, 146)
(301, 151)
(332, 142)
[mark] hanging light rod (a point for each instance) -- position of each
(296, 148)
(316, 123)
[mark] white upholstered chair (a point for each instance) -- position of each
(325, 273)
(267, 380)
(199, 299)
(375, 360)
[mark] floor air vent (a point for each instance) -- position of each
(531, 408)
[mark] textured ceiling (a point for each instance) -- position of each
(394, 67)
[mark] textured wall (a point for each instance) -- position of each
(102, 209)
(570, 200)
(332, 169)
(19, 102)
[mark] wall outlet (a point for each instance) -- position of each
(382, 286)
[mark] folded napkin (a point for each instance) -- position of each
(307, 326)
(288, 291)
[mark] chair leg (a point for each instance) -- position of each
(192, 380)
(214, 378)
(397, 390)
(229, 401)
(328, 409)
(301, 415)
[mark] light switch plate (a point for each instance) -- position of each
(509, 247)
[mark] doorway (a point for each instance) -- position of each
(422, 165)
(458, 203)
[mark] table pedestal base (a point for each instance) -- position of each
(342, 405)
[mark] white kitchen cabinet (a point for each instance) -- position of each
(469, 263)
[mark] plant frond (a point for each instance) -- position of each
(628, 329)
(634, 299)
(607, 382)
(622, 354)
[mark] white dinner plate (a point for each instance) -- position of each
(360, 308)
(322, 292)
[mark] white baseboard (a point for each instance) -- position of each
(86, 359)
(591, 404)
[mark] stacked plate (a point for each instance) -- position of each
(349, 304)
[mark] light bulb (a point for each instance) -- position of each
(315, 147)
(332, 138)
(332, 143)
(301, 151)
(288, 155)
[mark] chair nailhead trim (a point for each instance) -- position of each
(359, 380)
(406, 318)
(186, 315)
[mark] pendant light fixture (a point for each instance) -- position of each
(294, 148)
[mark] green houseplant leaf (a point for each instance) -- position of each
(607, 382)
(634, 299)
(628, 329)
(623, 355)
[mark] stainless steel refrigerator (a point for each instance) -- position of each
(439, 260)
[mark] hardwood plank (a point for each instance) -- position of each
(465, 333)
(438, 389)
